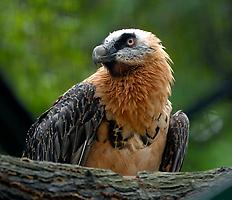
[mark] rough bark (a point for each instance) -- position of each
(26, 179)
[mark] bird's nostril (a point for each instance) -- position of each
(99, 51)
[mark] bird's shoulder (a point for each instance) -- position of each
(72, 102)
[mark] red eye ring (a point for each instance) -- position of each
(130, 42)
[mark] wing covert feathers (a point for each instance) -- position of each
(65, 132)
(177, 142)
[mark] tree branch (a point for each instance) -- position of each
(26, 179)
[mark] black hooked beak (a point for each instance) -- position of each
(102, 55)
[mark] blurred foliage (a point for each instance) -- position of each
(45, 48)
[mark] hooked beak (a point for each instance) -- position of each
(101, 55)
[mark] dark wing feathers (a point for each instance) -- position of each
(65, 132)
(177, 142)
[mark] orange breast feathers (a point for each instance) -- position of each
(136, 155)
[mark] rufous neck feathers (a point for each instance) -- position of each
(133, 101)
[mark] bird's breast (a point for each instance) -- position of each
(128, 153)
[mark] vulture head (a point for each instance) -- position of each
(126, 50)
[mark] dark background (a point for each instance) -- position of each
(45, 48)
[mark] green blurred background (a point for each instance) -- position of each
(46, 46)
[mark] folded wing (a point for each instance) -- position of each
(66, 131)
(177, 142)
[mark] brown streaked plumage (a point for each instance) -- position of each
(120, 117)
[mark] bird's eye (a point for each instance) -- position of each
(130, 42)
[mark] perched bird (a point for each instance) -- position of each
(120, 117)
